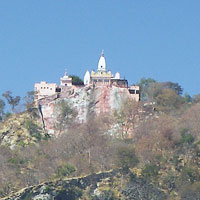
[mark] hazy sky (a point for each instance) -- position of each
(141, 38)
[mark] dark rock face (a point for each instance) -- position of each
(100, 186)
(140, 189)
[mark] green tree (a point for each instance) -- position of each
(76, 80)
(29, 100)
(187, 98)
(12, 101)
(144, 84)
(29, 104)
(168, 100)
(174, 86)
(150, 89)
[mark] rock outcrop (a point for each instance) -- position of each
(99, 186)
(85, 100)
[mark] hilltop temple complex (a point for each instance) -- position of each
(101, 78)
(102, 92)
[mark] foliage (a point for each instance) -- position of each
(150, 171)
(29, 100)
(151, 89)
(126, 157)
(173, 86)
(186, 137)
(187, 98)
(189, 175)
(65, 170)
(168, 100)
(16, 160)
(13, 101)
(144, 86)
(169, 182)
(76, 80)
(33, 129)
(165, 154)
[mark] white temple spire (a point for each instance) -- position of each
(102, 63)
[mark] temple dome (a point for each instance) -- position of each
(117, 75)
(87, 78)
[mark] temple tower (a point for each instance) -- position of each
(102, 63)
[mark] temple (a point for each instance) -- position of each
(101, 78)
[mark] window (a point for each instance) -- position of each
(58, 89)
(137, 92)
(132, 91)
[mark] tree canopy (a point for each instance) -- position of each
(76, 80)
(12, 101)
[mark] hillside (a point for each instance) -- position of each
(20, 130)
(153, 148)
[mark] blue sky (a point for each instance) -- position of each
(159, 39)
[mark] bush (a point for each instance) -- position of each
(150, 171)
(189, 175)
(126, 157)
(186, 137)
(169, 182)
(16, 161)
(33, 129)
(65, 170)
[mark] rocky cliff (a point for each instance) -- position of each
(85, 100)
(100, 186)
